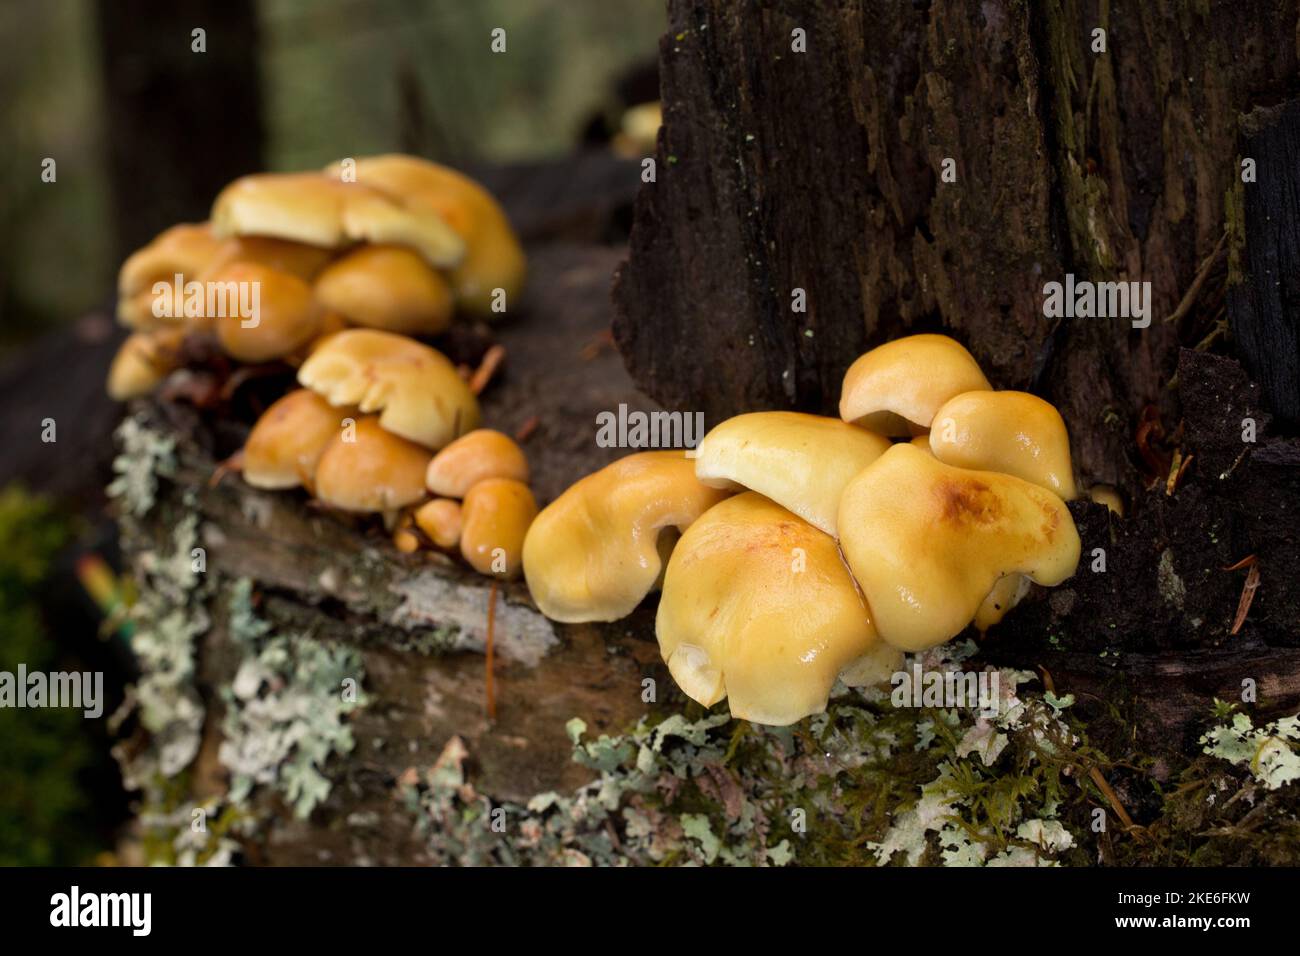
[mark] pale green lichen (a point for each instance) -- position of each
(717, 791)
(286, 709)
(1269, 751)
(167, 620)
(144, 456)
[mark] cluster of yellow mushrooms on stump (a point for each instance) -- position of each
(795, 550)
(792, 550)
(344, 267)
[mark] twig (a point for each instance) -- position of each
(1247, 591)
(492, 360)
(525, 431)
(1194, 290)
(1111, 797)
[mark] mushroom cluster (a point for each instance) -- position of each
(336, 273)
(797, 550)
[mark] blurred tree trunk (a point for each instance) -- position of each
(180, 123)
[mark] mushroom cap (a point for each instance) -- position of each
(282, 255)
(441, 520)
(185, 249)
(495, 517)
(142, 361)
(897, 387)
(417, 390)
(374, 472)
(1012, 432)
(474, 457)
(593, 553)
(759, 608)
(927, 542)
(802, 462)
(324, 211)
(493, 258)
(386, 287)
(288, 315)
(287, 441)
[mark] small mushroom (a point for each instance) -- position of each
(474, 457)
(286, 443)
(287, 315)
(927, 542)
(417, 391)
(441, 520)
(1012, 432)
(1109, 496)
(496, 515)
(142, 361)
(323, 211)
(493, 258)
(370, 470)
(1009, 591)
(802, 462)
(758, 608)
(593, 553)
(405, 539)
(386, 287)
(185, 250)
(896, 388)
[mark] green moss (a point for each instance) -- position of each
(42, 751)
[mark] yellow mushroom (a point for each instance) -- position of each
(282, 255)
(594, 552)
(802, 462)
(185, 250)
(386, 287)
(1108, 496)
(323, 211)
(441, 521)
(1012, 432)
(367, 469)
(417, 391)
(927, 542)
(286, 444)
(142, 361)
(896, 388)
(493, 257)
(496, 515)
(471, 458)
(758, 608)
(262, 314)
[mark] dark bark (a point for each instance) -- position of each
(822, 171)
(180, 124)
(1264, 304)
